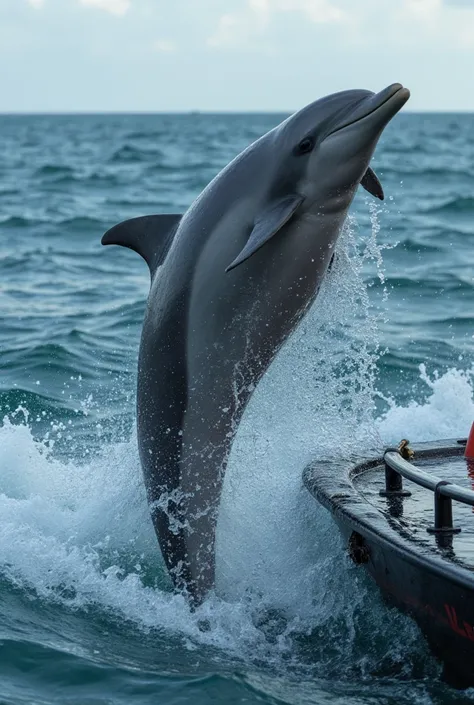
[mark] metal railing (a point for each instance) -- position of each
(397, 467)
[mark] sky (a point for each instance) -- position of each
(231, 55)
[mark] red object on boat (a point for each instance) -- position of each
(469, 452)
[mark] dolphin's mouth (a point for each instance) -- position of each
(392, 98)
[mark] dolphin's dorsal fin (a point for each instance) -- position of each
(267, 225)
(150, 236)
(371, 184)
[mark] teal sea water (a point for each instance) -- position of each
(87, 614)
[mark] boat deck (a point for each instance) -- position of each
(414, 514)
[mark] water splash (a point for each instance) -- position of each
(317, 398)
(447, 412)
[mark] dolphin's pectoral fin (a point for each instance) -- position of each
(371, 184)
(267, 225)
(150, 236)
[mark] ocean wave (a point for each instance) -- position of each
(22, 405)
(147, 135)
(122, 316)
(421, 172)
(128, 153)
(196, 168)
(43, 361)
(81, 224)
(450, 321)
(413, 246)
(433, 281)
(54, 170)
(92, 355)
(14, 262)
(89, 180)
(404, 148)
(446, 411)
(19, 221)
(139, 202)
(460, 205)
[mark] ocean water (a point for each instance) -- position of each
(87, 614)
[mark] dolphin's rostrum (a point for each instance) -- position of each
(230, 280)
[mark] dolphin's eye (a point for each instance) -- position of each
(305, 146)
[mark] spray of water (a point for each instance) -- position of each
(317, 398)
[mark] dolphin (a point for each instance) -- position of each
(230, 280)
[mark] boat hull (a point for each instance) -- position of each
(437, 593)
(443, 610)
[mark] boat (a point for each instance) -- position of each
(395, 512)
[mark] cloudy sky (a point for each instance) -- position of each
(173, 55)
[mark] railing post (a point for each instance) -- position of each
(443, 511)
(393, 482)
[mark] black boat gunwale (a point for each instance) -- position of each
(331, 483)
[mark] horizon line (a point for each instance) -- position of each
(197, 111)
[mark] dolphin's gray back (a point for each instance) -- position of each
(174, 376)
(208, 337)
